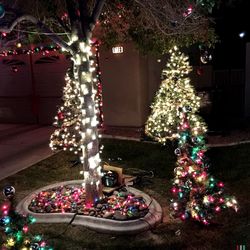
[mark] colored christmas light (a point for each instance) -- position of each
(175, 92)
(197, 194)
(188, 11)
(39, 49)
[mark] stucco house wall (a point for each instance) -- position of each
(129, 81)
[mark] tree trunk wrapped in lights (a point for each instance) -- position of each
(197, 194)
(175, 91)
(79, 110)
(89, 133)
(77, 120)
(67, 135)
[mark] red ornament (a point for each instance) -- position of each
(60, 115)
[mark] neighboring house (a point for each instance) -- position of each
(129, 80)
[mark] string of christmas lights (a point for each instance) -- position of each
(98, 84)
(175, 91)
(71, 199)
(39, 49)
(197, 194)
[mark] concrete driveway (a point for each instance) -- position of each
(21, 146)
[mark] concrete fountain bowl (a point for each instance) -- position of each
(103, 225)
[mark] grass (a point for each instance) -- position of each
(230, 164)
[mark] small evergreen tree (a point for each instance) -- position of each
(14, 227)
(175, 92)
(67, 121)
(197, 194)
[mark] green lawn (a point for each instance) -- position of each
(229, 164)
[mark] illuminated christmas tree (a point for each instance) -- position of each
(67, 121)
(175, 91)
(197, 194)
(15, 228)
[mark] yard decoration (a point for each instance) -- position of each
(175, 92)
(15, 227)
(197, 194)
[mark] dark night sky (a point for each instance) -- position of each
(230, 21)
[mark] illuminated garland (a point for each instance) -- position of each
(175, 92)
(40, 49)
(197, 194)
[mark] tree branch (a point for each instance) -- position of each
(65, 27)
(170, 18)
(71, 7)
(96, 13)
(40, 25)
(85, 18)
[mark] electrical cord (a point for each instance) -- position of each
(75, 214)
(67, 226)
(137, 171)
(143, 177)
(143, 219)
(75, 162)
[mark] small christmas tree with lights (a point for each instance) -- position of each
(67, 121)
(197, 194)
(15, 227)
(175, 91)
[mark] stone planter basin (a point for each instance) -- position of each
(151, 219)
